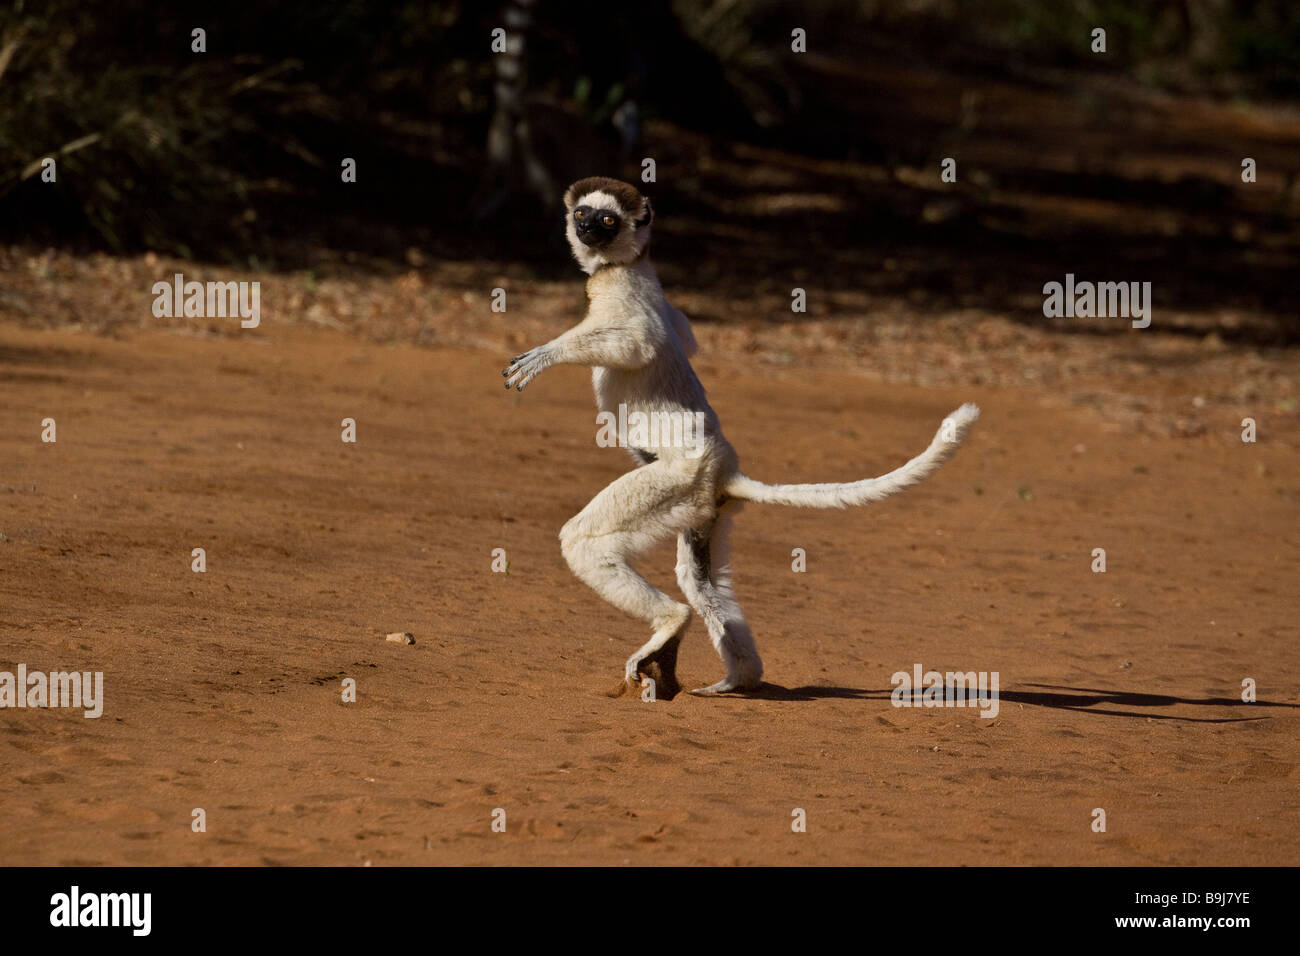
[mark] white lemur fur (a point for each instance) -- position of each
(637, 346)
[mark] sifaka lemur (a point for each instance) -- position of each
(637, 346)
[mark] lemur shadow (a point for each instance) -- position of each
(1081, 699)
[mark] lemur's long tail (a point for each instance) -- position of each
(950, 434)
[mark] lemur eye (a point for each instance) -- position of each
(579, 214)
(609, 220)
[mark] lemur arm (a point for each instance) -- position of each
(622, 343)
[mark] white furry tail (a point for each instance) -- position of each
(950, 434)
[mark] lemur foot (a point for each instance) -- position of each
(660, 667)
(744, 675)
(633, 686)
(727, 685)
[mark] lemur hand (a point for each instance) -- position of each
(524, 368)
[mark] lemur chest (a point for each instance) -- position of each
(615, 387)
(666, 380)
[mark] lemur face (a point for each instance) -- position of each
(607, 222)
(596, 227)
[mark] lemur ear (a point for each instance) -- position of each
(648, 217)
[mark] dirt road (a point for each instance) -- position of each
(1119, 690)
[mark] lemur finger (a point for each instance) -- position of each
(514, 364)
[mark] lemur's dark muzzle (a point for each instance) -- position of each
(591, 230)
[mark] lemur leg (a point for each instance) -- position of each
(629, 517)
(703, 571)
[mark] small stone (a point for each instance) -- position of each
(400, 637)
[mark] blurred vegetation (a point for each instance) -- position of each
(193, 152)
(228, 153)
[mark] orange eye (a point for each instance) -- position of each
(609, 220)
(579, 214)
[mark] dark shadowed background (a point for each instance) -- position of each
(769, 163)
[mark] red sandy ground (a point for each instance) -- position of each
(1119, 690)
